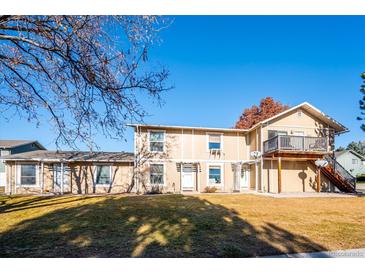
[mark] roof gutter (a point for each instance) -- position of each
(68, 161)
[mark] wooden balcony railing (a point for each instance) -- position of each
(296, 143)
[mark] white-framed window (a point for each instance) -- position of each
(2, 163)
(157, 140)
(274, 133)
(103, 175)
(299, 113)
(27, 175)
(215, 141)
(157, 171)
(355, 161)
(215, 174)
(4, 152)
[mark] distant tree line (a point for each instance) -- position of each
(358, 147)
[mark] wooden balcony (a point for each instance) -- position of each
(290, 144)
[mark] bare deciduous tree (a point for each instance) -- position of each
(84, 73)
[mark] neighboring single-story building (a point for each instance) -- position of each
(74, 172)
(8, 147)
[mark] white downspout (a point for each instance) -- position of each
(15, 177)
(136, 155)
(10, 179)
(261, 162)
(42, 177)
(256, 168)
(62, 178)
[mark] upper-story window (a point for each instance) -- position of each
(215, 141)
(157, 141)
(355, 161)
(273, 133)
(4, 152)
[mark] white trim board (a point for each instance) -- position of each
(199, 161)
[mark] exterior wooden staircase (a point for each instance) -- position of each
(339, 176)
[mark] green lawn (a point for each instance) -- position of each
(177, 226)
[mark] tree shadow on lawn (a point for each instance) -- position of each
(148, 226)
(37, 202)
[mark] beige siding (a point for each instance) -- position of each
(191, 145)
(291, 122)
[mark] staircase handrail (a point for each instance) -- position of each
(340, 170)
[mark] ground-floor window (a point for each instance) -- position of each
(28, 175)
(103, 175)
(215, 175)
(157, 174)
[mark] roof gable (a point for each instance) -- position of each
(9, 144)
(339, 128)
(343, 152)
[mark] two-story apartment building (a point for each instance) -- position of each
(275, 155)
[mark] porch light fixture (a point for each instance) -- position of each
(256, 155)
(321, 163)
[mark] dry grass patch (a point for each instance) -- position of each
(177, 226)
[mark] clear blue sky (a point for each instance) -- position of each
(222, 64)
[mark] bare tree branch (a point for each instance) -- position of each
(87, 72)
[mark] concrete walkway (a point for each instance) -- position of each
(349, 253)
(309, 195)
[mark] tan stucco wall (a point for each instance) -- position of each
(13, 188)
(80, 178)
(297, 176)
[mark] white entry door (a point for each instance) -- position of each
(187, 178)
(57, 178)
(245, 177)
